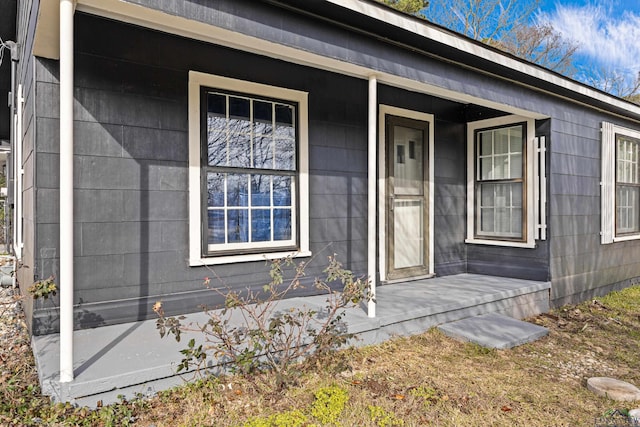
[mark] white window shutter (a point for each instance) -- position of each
(540, 170)
(608, 184)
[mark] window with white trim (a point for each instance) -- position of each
(620, 183)
(500, 182)
(248, 154)
(500, 199)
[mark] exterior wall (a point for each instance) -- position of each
(531, 264)
(131, 152)
(131, 230)
(450, 198)
(449, 174)
(581, 267)
(26, 274)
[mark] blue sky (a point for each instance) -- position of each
(608, 33)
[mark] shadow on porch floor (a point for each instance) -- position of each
(131, 358)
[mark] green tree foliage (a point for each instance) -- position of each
(413, 7)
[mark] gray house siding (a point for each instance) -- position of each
(449, 174)
(26, 274)
(131, 230)
(531, 264)
(582, 267)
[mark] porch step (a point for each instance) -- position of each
(494, 331)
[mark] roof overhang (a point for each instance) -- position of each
(46, 42)
(365, 16)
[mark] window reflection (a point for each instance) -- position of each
(249, 135)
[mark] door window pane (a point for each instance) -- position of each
(408, 172)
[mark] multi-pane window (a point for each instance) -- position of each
(620, 184)
(627, 185)
(250, 172)
(499, 182)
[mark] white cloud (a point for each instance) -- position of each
(607, 40)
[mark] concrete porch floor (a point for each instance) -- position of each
(130, 359)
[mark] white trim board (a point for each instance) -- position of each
(530, 181)
(196, 81)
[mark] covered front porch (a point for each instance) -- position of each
(131, 358)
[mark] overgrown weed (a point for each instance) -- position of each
(257, 331)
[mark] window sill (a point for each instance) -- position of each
(232, 259)
(529, 245)
(626, 238)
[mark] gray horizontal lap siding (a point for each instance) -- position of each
(574, 133)
(131, 150)
(523, 263)
(25, 70)
(581, 267)
(131, 147)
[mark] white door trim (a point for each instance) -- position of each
(382, 188)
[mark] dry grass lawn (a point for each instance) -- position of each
(433, 380)
(418, 381)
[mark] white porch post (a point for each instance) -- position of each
(372, 151)
(66, 190)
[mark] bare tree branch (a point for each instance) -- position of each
(616, 83)
(542, 45)
(482, 20)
